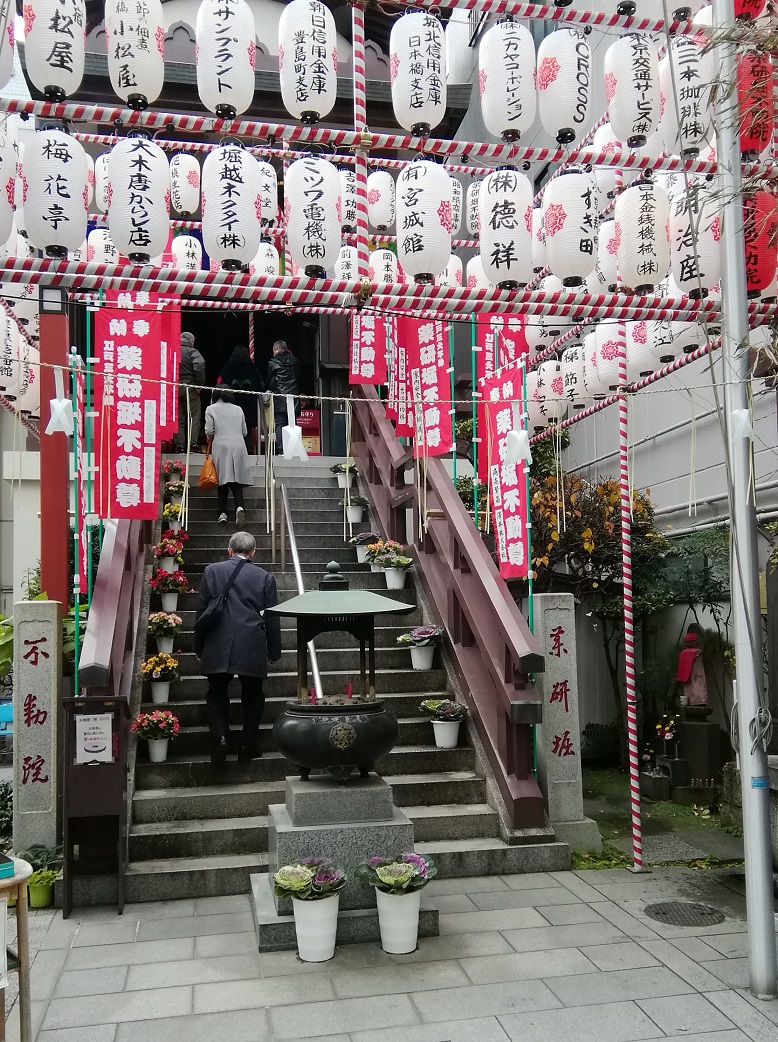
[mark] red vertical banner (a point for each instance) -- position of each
(368, 349)
(431, 390)
(502, 405)
(500, 342)
(129, 342)
(81, 504)
(407, 350)
(392, 376)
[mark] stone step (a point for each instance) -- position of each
(312, 558)
(172, 879)
(330, 660)
(210, 527)
(194, 738)
(202, 837)
(358, 575)
(223, 800)
(181, 771)
(191, 711)
(329, 535)
(197, 552)
(287, 588)
(437, 788)
(284, 685)
(453, 821)
(456, 858)
(386, 636)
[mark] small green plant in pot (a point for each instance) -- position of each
(344, 473)
(395, 568)
(314, 885)
(398, 883)
(446, 715)
(46, 863)
(355, 507)
(362, 543)
(421, 643)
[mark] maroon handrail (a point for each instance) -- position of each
(492, 648)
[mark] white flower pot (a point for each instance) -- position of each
(398, 921)
(165, 645)
(169, 601)
(395, 578)
(355, 513)
(167, 564)
(175, 475)
(362, 553)
(344, 480)
(175, 526)
(158, 749)
(160, 692)
(375, 567)
(421, 658)
(176, 500)
(316, 924)
(446, 733)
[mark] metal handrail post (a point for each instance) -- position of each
(286, 513)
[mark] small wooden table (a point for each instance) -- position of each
(16, 886)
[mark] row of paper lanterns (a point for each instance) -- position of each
(516, 84)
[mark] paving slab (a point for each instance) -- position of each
(395, 980)
(113, 1009)
(715, 843)
(610, 1022)
(527, 966)
(731, 972)
(484, 1000)
(481, 1029)
(686, 1013)
(658, 849)
(377, 1013)
(548, 937)
(569, 915)
(750, 1021)
(530, 898)
(235, 1026)
(624, 956)
(95, 982)
(98, 1033)
(591, 989)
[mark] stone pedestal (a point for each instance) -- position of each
(347, 823)
(676, 768)
(702, 749)
(559, 735)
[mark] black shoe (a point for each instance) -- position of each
(246, 753)
(219, 753)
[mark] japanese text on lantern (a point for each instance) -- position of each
(225, 29)
(66, 21)
(425, 65)
(58, 185)
(313, 212)
(311, 62)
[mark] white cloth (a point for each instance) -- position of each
(225, 425)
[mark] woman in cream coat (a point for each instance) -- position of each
(225, 428)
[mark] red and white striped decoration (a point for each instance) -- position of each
(505, 213)
(564, 84)
(632, 88)
(358, 65)
(135, 40)
(506, 79)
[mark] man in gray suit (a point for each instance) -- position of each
(242, 643)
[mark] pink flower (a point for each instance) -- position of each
(373, 196)
(555, 217)
(557, 386)
(615, 240)
(547, 73)
(528, 220)
(610, 350)
(280, 58)
(640, 333)
(193, 178)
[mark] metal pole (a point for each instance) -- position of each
(78, 463)
(744, 569)
(453, 407)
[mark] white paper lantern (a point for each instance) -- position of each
(457, 195)
(100, 247)
(573, 376)
(307, 59)
(380, 199)
(55, 46)
(475, 275)
(539, 333)
(640, 353)
(632, 88)
(8, 172)
(536, 418)
(28, 400)
(26, 308)
(187, 253)
(135, 38)
(611, 348)
(695, 231)
(551, 391)
(605, 141)
(348, 196)
(505, 211)
(506, 79)
(267, 261)
(138, 199)
(101, 182)
(56, 195)
(564, 87)
(268, 189)
(452, 276)
(471, 208)
(225, 56)
(7, 50)
(417, 70)
(424, 219)
(184, 184)
(593, 382)
(231, 214)
(9, 357)
(539, 252)
(347, 264)
(607, 265)
(642, 215)
(382, 266)
(312, 214)
(686, 89)
(570, 220)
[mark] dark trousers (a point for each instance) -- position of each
(217, 707)
(222, 492)
(280, 436)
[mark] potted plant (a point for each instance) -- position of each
(380, 549)
(355, 507)
(421, 643)
(174, 492)
(171, 513)
(169, 585)
(168, 554)
(164, 626)
(157, 728)
(174, 469)
(314, 884)
(180, 535)
(446, 715)
(46, 863)
(344, 473)
(398, 883)
(160, 670)
(361, 544)
(395, 568)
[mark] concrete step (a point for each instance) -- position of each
(456, 858)
(284, 685)
(312, 558)
(204, 837)
(191, 711)
(182, 771)
(287, 588)
(330, 660)
(386, 636)
(453, 821)
(174, 878)
(210, 527)
(320, 535)
(437, 788)
(223, 800)
(359, 576)
(212, 549)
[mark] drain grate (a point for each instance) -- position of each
(681, 913)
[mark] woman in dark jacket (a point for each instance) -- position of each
(282, 370)
(240, 374)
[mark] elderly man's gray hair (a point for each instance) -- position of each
(243, 543)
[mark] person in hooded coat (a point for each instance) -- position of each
(282, 377)
(241, 376)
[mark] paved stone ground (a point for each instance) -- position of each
(529, 958)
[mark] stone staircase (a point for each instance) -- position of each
(200, 829)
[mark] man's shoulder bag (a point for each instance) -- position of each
(209, 619)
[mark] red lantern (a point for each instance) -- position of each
(746, 9)
(755, 98)
(760, 227)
